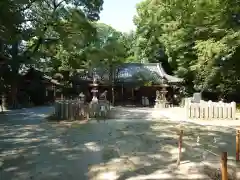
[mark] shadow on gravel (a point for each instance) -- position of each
(115, 149)
(142, 113)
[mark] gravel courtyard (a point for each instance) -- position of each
(133, 149)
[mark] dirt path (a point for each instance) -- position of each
(31, 148)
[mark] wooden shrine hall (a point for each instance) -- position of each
(130, 82)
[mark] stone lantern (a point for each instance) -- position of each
(161, 100)
(164, 92)
(94, 106)
(94, 86)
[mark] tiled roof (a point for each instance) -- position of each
(132, 72)
(135, 72)
(169, 78)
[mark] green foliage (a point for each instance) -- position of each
(45, 33)
(200, 38)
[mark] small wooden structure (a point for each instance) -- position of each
(210, 110)
(38, 88)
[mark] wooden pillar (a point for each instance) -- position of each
(113, 94)
(122, 93)
(180, 147)
(224, 166)
(46, 92)
(132, 94)
(237, 145)
(54, 92)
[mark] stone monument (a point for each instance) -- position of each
(196, 97)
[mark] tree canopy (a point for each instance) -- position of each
(200, 39)
(197, 40)
(56, 36)
(44, 33)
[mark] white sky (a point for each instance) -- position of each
(119, 14)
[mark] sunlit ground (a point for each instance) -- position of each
(31, 148)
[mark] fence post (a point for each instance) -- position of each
(179, 147)
(224, 166)
(237, 145)
(233, 104)
(187, 108)
(210, 108)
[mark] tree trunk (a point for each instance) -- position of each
(15, 65)
(111, 80)
(14, 90)
(113, 93)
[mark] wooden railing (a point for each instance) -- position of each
(223, 174)
(80, 110)
(71, 110)
(210, 110)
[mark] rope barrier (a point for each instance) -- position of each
(224, 155)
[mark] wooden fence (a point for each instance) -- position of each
(79, 110)
(210, 110)
(71, 110)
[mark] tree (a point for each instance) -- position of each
(128, 40)
(108, 51)
(200, 39)
(39, 22)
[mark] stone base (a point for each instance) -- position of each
(99, 109)
(160, 104)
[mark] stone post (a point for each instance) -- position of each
(233, 104)
(187, 108)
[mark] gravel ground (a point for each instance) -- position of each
(136, 149)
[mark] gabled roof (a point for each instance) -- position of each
(134, 73)
(170, 78)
